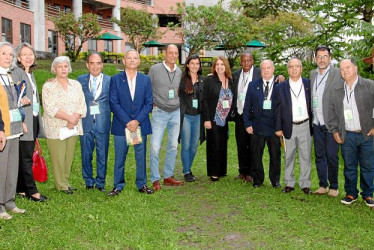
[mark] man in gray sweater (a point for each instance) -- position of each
(165, 78)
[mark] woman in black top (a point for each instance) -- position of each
(190, 96)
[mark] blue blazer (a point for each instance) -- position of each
(125, 109)
(262, 120)
(282, 105)
(102, 120)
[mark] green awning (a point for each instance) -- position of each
(108, 36)
(220, 47)
(153, 43)
(255, 44)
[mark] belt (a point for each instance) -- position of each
(355, 131)
(300, 122)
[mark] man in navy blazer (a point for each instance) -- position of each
(96, 124)
(259, 121)
(293, 121)
(131, 102)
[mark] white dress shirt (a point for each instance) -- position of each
(132, 85)
(299, 107)
(244, 80)
(99, 84)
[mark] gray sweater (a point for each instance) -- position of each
(163, 81)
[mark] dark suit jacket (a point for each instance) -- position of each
(102, 120)
(1, 122)
(212, 88)
(262, 121)
(125, 109)
(235, 77)
(282, 105)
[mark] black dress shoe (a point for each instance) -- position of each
(67, 191)
(276, 185)
(72, 188)
(101, 189)
(41, 199)
(146, 190)
(256, 185)
(114, 192)
(307, 190)
(89, 187)
(288, 189)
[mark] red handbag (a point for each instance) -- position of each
(39, 167)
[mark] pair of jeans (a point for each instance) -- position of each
(189, 140)
(160, 120)
(121, 149)
(326, 150)
(89, 141)
(355, 150)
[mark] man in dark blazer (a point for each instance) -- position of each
(350, 120)
(322, 81)
(96, 124)
(259, 121)
(293, 123)
(131, 102)
(242, 79)
(2, 134)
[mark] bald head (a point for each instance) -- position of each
(267, 69)
(171, 55)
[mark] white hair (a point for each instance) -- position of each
(58, 60)
(2, 44)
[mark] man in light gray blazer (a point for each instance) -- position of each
(350, 120)
(322, 81)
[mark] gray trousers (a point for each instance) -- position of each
(301, 140)
(8, 174)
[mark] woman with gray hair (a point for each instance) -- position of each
(12, 118)
(26, 64)
(64, 106)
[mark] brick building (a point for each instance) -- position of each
(27, 21)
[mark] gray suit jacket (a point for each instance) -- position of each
(19, 74)
(364, 95)
(334, 79)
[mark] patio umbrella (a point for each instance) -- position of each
(153, 43)
(107, 36)
(220, 47)
(255, 44)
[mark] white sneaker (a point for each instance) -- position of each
(17, 210)
(5, 216)
(321, 190)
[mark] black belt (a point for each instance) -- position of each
(300, 122)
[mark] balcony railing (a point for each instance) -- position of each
(106, 24)
(19, 3)
(145, 2)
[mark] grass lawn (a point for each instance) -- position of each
(227, 214)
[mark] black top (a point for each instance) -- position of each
(188, 100)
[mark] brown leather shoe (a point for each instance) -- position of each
(240, 177)
(307, 190)
(172, 182)
(156, 185)
(248, 178)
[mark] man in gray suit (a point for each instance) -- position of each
(322, 81)
(350, 120)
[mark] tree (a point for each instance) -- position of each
(139, 26)
(75, 32)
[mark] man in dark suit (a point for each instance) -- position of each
(293, 122)
(242, 79)
(131, 102)
(2, 134)
(322, 82)
(261, 125)
(96, 124)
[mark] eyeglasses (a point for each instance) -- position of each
(27, 55)
(324, 57)
(294, 66)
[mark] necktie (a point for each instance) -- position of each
(93, 86)
(266, 92)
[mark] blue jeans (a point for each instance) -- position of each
(356, 150)
(189, 140)
(161, 119)
(121, 148)
(326, 150)
(88, 142)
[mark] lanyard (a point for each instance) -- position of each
(297, 97)
(245, 79)
(346, 93)
(8, 87)
(167, 72)
(270, 88)
(317, 85)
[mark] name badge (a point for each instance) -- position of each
(299, 111)
(15, 115)
(94, 108)
(35, 107)
(315, 102)
(195, 103)
(242, 97)
(171, 93)
(348, 114)
(267, 104)
(225, 104)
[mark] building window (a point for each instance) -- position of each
(6, 30)
(69, 42)
(108, 45)
(25, 33)
(165, 20)
(67, 9)
(56, 6)
(91, 45)
(52, 41)
(100, 17)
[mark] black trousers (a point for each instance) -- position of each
(257, 151)
(216, 150)
(26, 183)
(243, 143)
